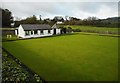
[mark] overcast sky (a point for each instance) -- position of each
(23, 9)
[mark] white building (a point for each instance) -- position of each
(36, 30)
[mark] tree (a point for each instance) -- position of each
(0, 17)
(28, 20)
(31, 20)
(46, 21)
(74, 19)
(69, 29)
(7, 18)
(92, 18)
(58, 18)
(91, 21)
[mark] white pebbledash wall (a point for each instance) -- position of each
(45, 33)
(21, 33)
(57, 31)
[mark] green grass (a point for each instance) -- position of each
(99, 29)
(13, 37)
(76, 57)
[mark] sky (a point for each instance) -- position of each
(49, 9)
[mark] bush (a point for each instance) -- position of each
(9, 38)
(76, 30)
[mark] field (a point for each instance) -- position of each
(96, 29)
(75, 57)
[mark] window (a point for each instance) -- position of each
(35, 31)
(26, 32)
(41, 31)
(48, 31)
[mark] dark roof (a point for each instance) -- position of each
(36, 26)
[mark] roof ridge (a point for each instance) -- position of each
(35, 26)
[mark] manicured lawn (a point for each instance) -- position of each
(76, 57)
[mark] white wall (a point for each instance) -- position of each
(16, 33)
(57, 31)
(45, 33)
(21, 32)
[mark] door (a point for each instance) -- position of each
(32, 32)
(54, 31)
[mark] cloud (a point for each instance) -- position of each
(60, 1)
(51, 9)
(107, 11)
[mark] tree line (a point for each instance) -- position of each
(94, 21)
(7, 20)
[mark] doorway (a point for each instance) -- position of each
(54, 31)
